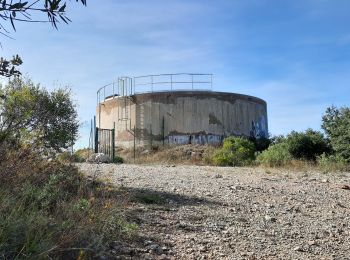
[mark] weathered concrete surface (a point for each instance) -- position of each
(183, 117)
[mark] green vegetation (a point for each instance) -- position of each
(307, 145)
(275, 156)
(118, 159)
(149, 198)
(31, 115)
(48, 210)
(261, 144)
(332, 163)
(310, 147)
(78, 156)
(236, 151)
(336, 124)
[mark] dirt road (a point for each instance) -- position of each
(192, 212)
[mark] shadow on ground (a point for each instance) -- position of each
(147, 208)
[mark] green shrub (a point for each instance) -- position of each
(66, 157)
(236, 151)
(261, 144)
(81, 155)
(336, 124)
(307, 145)
(276, 155)
(118, 159)
(24, 230)
(332, 163)
(46, 120)
(48, 208)
(277, 139)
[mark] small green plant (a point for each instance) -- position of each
(115, 225)
(79, 156)
(118, 159)
(82, 205)
(275, 156)
(147, 198)
(332, 163)
(236, 151)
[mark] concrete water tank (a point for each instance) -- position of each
(181, 116)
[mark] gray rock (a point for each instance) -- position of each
(298, 249)
(99, 158)
(270, 218)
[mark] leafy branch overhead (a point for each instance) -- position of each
(13, 11)
(22, 11)
(8, 67)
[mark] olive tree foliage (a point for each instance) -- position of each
(307, 145)
(33, 116)
(13, 11)
(336, 124)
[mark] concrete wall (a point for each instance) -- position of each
(183, 117)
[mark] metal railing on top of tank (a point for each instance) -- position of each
(126, 86)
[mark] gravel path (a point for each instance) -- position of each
(237, 213)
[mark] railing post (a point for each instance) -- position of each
(192, 80)
(171, 82)
(163, 132)
(113, 89)
(131, 80)
(134, 143)
(113, 142)
(151, 83)
(93, 129)
(211, 81)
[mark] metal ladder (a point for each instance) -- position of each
(125, 91)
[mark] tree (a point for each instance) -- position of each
(13, 11)
(307, 145)
(8, 68)
(336, 124)
(31, 114)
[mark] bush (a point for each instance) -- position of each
(307, 145)
(276, 155)
(332, 163)
(32, 115)
(261, 144)
(81, 155)
(277, 139)
(118, 159)
(336, 123)
(48, 208)
(236, 151)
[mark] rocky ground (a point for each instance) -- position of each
(200, 212)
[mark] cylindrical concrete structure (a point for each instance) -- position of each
(182, 117)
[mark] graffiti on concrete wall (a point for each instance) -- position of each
(259, 128)
(195, 139)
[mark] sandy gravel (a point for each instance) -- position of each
(236, 213)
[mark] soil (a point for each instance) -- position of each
(203, 212)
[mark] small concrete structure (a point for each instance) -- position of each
(181, 117)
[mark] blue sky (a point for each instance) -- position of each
(293, 54)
